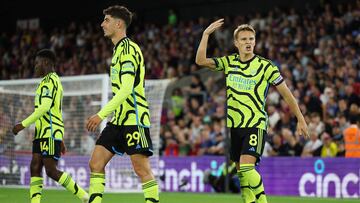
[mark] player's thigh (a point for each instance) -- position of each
(50, 153)
(141, 164)
(44, 148)
(36, 164)
(110, 139)
(248, 159)
(99, 158)
(50, 165)
(236, 143)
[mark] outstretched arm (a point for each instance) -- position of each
(116, 101)
(302, 128)
(119, 97)
(201, 59)
(39, 112)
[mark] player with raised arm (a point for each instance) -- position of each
(248, 77)
(128, 130)
(49, 130)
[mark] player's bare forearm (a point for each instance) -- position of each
(302, 128)
(290, 100)
(201, 59)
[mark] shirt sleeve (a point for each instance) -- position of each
(221, 63)
(128, 64)
(45, 101)
(272, 75)
(127, 77)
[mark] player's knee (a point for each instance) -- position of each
(141, 171)
(35, 167)
(247, 159)
(52, 173)
(96, 166)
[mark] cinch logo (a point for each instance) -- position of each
(174, 177)
(323, 182)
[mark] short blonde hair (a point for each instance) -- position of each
(243, 27)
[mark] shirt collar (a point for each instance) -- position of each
(119, 42)
(245, 62)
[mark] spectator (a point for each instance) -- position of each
(197, 89)
(311, 145)
(172, 18)
(267, 149)
(329, 148)
(274, 116)
(316, 124)
(172, 148)
(279, 149)
(324, 81)
(177, 103)
(87, 144)
(352, 137)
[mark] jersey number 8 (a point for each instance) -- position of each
(253, 140)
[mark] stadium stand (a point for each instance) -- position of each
(317, 51)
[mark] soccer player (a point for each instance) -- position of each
(247, 81)
(128, 131)
(49, 130)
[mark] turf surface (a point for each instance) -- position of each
(9, 195)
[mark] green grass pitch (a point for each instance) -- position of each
(9, 195)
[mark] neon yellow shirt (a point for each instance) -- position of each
(247, 85)
(48, 109)
(127, 75)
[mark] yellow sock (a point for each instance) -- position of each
(246, 192)
(67, 182)
(151, 191)
(97, 187)
(36, 186)
(255, 181)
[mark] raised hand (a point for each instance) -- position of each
(213, 26)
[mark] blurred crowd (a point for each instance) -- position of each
(75, 112)
(316, 50)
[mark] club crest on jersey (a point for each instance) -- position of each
(114, 73)
(253, 72)
(46, 92)
(252, 149)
